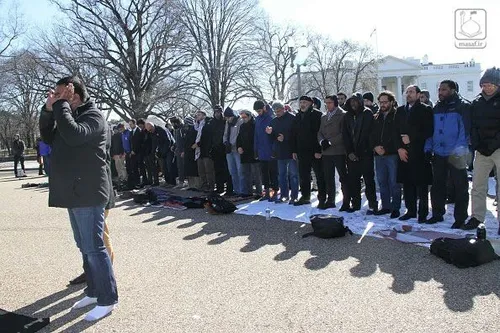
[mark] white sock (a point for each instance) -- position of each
(99, 312)
(86, 301)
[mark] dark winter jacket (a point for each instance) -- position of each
(126, 138)
(18, 148)
(385, 132)
(263, 142)
(190, 165)
(330, 133)
(207, 138)
(451, 134)
(218, 150)
(305, 133)
(283, 125)
(117, 144)
(485, 134)
(418, 124)
(357, 128)
(163, 141)
(245, 141)
(179, 136)
(136, 140)
(79, 168)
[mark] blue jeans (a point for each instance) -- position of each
(234, 165)
(288, 172)
(88, 225)
(390, 190)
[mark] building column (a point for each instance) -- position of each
(399, 91)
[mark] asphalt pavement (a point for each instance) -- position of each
(188, 271)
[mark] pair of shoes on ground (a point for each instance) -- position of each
(98, 312)
(384, 211)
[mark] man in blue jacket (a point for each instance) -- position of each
(449, 145)
(263, 146)
(280, 130)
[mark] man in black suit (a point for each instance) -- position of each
(136, 140)
(416, 125)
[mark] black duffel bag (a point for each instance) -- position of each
(327, 226)
(463, 252)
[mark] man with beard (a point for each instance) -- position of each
(162, 142)
(218, 154)
(306, 149)
(450, 149)
(188, 155)
(332, 145)
(202, 146)
(383, 138)
(178, 148)
(416, 124)
(358, 122)
(146, 161)
(485, 138)
(425, 98)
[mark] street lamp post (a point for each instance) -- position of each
(298, 58)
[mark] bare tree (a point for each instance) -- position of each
(9, 122)
(22, 94)
(133, 47)
(220, 35)
(274, 48)
(11, 27)
(364, 71)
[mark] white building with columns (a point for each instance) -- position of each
(396, 74)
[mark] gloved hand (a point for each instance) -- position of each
(325, 144)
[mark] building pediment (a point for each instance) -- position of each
(394, 64)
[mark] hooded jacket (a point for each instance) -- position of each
(18, 147)
(357, 128)
(79, 175)
(485, 133)
(451, 134)
(305, 133)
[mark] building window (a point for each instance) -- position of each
(470, 86)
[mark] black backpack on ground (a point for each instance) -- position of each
(463, 252)
(216, 204)
(327, 226)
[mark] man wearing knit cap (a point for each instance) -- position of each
(231, 130)
(306, 149)
(368, 102)
(485, 138)
(223, 181)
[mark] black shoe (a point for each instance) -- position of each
(407, 216)
(292, 202)
(355, 208)
(395, 214)
(434, 220)
(472, 224)
(383, 211)
(499, 230)
(302, 201)
(329, 204)
(458, 224)
(422, 219)
(78, 280)
(282, 200)
(321, 205)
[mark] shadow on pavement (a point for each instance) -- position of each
(52, 305)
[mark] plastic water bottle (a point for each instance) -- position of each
(268, 214)
(481, 232)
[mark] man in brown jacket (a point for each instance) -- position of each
(333, 150)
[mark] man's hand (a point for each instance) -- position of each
(51, 99)
(182, 155)
(403, 154)
(269, 130)
(294, 156)
(67, 93)
(380, 150)
(240, 150)
(406, 139)
(353, 157)
(317, 156)
(132, 153)
(194, 146)
(281, 138)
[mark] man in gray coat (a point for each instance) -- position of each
(333, 150)
(77, 130)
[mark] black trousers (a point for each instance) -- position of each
(441, 168)
(269, 172)
(133, 170)
(222, 175)
(330, 163)
(413, 193)
(141, 165)
(18, 159)
(152, 170)
(363, 168)
(305, 165)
